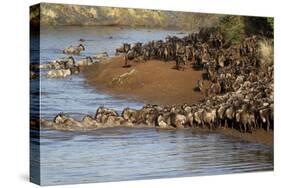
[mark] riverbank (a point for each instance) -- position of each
(258, 136)
(154, 81)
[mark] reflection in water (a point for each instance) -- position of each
(126, 154)
(119, 153)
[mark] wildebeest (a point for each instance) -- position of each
(60, 73)
(102, 55)
(123, 49)
(241, 89)
(177, 120)
(129, 115)
(89, 121)
(64, 63)
(84, 61)
(199, 85)
(74, 50)
(209, 117)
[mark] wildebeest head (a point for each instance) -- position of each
(126, 47)
(81, 46)
(60, 118)
(90, 59)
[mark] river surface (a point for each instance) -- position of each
(117, 154)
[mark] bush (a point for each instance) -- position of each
(259, 26)
(266, 52)
(235, 28)
(270, 22)
(232, 29)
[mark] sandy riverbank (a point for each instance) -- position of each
(155, 81)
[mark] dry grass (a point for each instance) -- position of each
(266, 52)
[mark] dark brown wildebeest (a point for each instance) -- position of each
(199, 85)
(130, 55)
(123, 49)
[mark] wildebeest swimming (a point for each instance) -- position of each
(61, 73)
(84, 61)
(64, 67)
(240, 95)
(63, 63)
(74, 50)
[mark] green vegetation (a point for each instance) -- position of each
(270, 22)
(34, 15)
(235, 28)
(63, 14)
(232, 28)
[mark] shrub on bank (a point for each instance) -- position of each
(266, 52)
(232, 29)
(235, 28)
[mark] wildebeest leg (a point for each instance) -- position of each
(255, 124)
(240, 127)
(225, 124)
(219, 123)
(268, 124)
(232, 123)
(249, 128)
(216, 123)
(126, 63)
(245, 127)
(260, 124)
(177, 64)
(222, 123)
(203, 125)
(211, 125)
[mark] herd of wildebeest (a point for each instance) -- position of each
(67, 66)
(240, 95)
